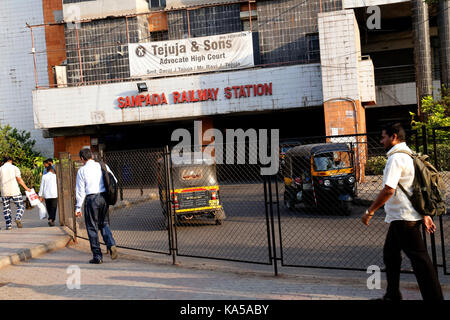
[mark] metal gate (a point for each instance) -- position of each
(257, 227)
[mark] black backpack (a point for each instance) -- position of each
(111, 188)
(428, 197)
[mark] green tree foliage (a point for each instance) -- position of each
(437, 114)
(20, 147)
(375, 165)
(437, 119)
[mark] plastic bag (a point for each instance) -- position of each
(33, 197)
(42, 210)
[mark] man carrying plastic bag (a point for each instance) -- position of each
(10, 179)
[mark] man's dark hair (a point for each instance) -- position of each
(7, 158)
(49, 160)
(396, 128)
(86, 154)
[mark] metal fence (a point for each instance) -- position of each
(249, 217)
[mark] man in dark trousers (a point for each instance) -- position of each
(405, 222)
(90, 189)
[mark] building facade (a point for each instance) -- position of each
(17, 69)
(124, 75)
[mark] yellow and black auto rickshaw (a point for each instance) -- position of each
(320, 175)
(195, 192)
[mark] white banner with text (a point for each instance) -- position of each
(203, 54)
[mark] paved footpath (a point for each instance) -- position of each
(142, 276)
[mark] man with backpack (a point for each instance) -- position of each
(92, 189)
(405, 221)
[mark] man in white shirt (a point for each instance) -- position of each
(90, 190)
(48, 191)
(405, 222)
(9, 179)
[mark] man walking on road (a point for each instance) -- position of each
(405, 222)
(90, 189)
(9, 179)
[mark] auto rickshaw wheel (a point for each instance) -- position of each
(219, 216)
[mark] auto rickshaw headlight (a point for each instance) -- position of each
(327, 183)
(351, 179)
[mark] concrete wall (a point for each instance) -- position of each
(348, 4)
(175, 4)
(16, 66)
(292, 87)
(366, 75)
(340, 52)
(102, 9)
(400, 94)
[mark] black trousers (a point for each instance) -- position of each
(52, 205)
(97, 219)
(406, 236)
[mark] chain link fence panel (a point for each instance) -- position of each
(323, 193)
(219, 206)
(137, 220)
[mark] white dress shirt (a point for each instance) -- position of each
(89, 181)
(48, 188)
(399, 169)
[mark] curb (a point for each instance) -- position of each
(311, 277)
(34, 252)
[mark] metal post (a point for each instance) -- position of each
(188, 23)
(266, 204)
(169, 203)
(128, 33)
(277, 197)
(417, 141)
(79, 56)
(60, 192)
(436, 162)
(441, 229)
(73, 184)
(424, 140)
(275, 262)
(33, 50)
(250, 15)
(432, 238)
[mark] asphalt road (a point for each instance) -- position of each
(308, 237)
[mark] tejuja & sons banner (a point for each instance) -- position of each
(193, 55)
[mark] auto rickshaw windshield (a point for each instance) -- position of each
(332, 161)
(194, 176)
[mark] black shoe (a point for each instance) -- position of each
(387, 297)
(113, 252)
(96, 261)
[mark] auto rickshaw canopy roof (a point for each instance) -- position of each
(308, 150)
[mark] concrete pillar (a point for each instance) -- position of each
(206, 123)
(422, 51)
(444, 38)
